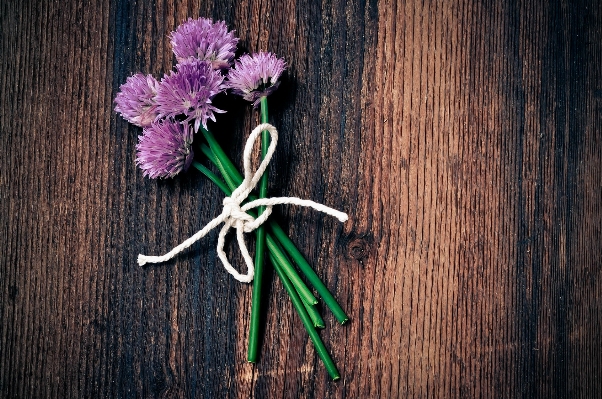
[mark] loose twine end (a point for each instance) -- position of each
(142, 260)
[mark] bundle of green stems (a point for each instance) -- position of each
(280, 249)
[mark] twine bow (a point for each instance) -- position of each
(234, 215)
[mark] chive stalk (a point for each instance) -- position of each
(259, 247)
(307, 322)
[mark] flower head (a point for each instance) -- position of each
(204, 40)
(256, 76)
(164, 149)
(189, 92)
(136, 100)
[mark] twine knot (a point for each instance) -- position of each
(236, 216)
(240, 219)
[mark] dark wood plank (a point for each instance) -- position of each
(462, 137)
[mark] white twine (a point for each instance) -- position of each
(234, 215)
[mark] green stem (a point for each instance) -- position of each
(236, 179)
(314, 315)
(208, 153)
(211, 176)
(309, 326)
(231, 170)
(265, 144)
(277, 254)
(220, 165)
(309, 273)
(259, 247)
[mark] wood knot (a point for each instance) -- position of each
(358, 246)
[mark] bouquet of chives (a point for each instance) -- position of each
(173, 114)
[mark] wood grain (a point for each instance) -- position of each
(464, 139)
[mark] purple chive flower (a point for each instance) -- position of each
(256, 76)
(165, 149)
(189, 92)
(204, 40)
(136, 100)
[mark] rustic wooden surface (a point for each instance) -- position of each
(464, 139)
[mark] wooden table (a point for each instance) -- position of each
(463, 138)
